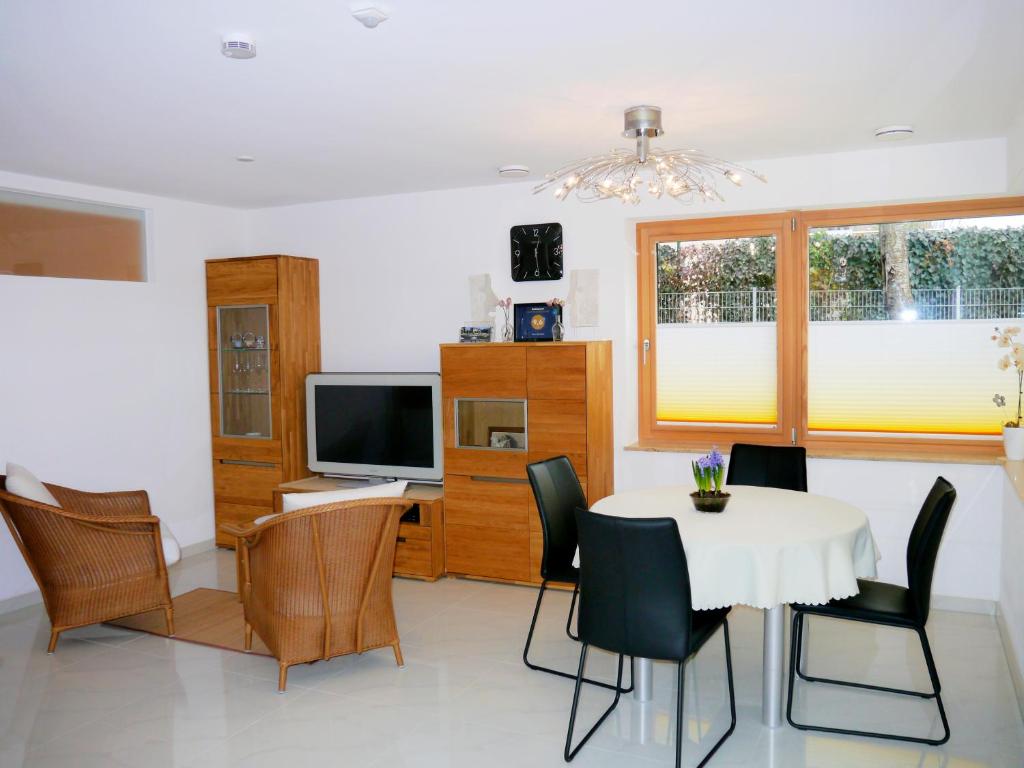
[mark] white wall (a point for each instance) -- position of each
(1015, 154)
(1011, 597)
(393, 285)
(104, 384)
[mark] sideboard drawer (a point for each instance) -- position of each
(476, 550)
(486, 502)
(556, 373)
(246, 483)
(483, 371)
(412, 556)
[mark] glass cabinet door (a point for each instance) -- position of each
(496, 424)
(243, 352)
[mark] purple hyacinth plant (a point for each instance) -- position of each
(708, 471)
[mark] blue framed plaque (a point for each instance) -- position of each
(533, 322)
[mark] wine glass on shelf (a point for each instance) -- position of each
(260, 367)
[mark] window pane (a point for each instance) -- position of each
(716, 331)
(901, 316)
(53, 237)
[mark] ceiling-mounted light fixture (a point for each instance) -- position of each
(370, 16)
(684, 174)
(894, 132)
(238, 47)
(513, 171)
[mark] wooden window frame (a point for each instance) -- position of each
(651, 433)
(792, 323)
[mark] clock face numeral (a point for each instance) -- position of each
(537, 251)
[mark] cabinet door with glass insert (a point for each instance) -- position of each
(243, 351)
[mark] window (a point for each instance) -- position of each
(711, 317)
(878, 321)
(55, 237)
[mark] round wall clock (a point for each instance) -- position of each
(537, 252)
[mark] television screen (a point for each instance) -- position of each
(382, 425)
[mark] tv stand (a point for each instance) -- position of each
(420, 550)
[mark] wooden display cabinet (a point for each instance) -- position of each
(507, 405)
(419, 553)
(263, 315)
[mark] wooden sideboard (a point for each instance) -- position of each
(420, 550)
(492, 526)
(263, 316)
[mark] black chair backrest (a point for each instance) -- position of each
(634, 586)
(558, 493)
(923, 545)
(768, 466)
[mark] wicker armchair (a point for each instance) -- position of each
(97, 557)
(316, 583)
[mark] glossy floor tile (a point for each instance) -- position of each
(110, 697)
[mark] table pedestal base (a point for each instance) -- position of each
(771, 683)
(643, 679)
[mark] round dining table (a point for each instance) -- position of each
(770, 547)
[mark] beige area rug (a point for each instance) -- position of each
(205, 616)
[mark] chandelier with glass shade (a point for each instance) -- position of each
(687, 175)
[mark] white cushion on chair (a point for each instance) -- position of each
(293, 501)
(290, 502)
(23, 483)
(172, 550)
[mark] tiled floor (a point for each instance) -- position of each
(110, 697)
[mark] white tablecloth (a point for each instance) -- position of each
(768, 547)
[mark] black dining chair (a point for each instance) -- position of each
(558, 493)
(889, 605)
(768, 466)
(635, 600)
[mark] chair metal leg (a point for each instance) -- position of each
(568, 675)
(794, 655)
(732, 705)
(569, 752)
(572, 609)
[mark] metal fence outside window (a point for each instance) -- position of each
(758, 306)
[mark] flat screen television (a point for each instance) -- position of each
(371, 425)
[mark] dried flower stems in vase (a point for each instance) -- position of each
(507, 332)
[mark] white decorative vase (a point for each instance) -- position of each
(1013, 443)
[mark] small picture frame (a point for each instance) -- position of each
(533, 322)
(476, 333)
(508, 438)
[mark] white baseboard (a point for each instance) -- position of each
(1016, 670)
(18, 602)
(198, 547)
(964, 604)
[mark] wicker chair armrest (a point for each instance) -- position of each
(71, 514)
(115, 503)
(238, 531)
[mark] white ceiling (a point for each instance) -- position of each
(134, 94)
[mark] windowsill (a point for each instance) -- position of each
(950, 456)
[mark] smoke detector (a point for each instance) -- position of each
(513, 171)
(238, 47)
(370, 16)
(894, 132)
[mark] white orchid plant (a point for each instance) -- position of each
(1006, 338)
